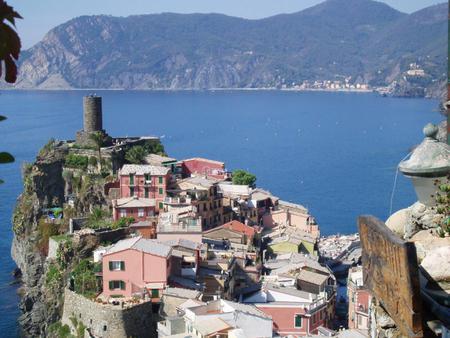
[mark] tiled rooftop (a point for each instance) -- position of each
(150, 246)
(142, 169)
(135, 202)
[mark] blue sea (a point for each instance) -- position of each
(335, 153)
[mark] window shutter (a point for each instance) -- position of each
(122, 266)
(122, 285)
(110, 266)
(111, 285)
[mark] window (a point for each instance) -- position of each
(146, 192)
(116, 266)
(123, 212)
(131, 191)
(147, 178)
(160, 180)
(150, 212)
(161, 191)
(116, 284)
(161, 205)
(141, 212)
(155, 293)
(131, 179)
(298, 320)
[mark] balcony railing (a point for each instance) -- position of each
(177, 200)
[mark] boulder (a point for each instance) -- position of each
(437, 263)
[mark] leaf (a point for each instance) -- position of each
(11, 70)
(13, 41)
(6, 157)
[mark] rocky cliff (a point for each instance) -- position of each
(362, 39)
(43, 281)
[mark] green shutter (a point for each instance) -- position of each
(146, 192)
(160, 191)
(122, 266)
(160, 180)
(298, 320)
(155, 293)
(161, 205)
(111, 285)
(110, 266)
(122, 285)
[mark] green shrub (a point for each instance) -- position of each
(154, 147)
(242, 177)
(122, 222)
(76, 161)
(93, 161)
(136, 155)
(53, 276)
(85, 281)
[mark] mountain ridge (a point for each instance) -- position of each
(366, 40)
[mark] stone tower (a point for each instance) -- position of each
(92, 114)
(92, 120)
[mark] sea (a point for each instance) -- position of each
(334, 153)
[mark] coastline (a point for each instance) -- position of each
(345, 90)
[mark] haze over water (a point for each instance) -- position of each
(335, 153)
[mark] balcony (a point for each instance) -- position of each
(177, 200)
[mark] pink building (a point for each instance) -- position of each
(137, 265)
(140, 209)
(203, 167)
(359, 300)
(293, 311)
(144, 183)
(292, 215)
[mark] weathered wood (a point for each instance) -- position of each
(391, 273)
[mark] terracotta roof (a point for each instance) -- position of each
(142, 169)
(200, 159)
(240, 227)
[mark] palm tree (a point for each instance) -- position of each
(98, 138)
(9, 54)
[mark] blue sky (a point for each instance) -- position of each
(40, 16)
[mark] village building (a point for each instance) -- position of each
(204, 167)
(218, 318)
(236, 234)
(139, 266)
(144, 228)
(237, 203)
(298, 292)
(180, 223)
(359, 300)
(292, 215)
(204, 196)
(140, 209)
(293, 311)
(263, 201)
(290, 240)
(144, 181)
